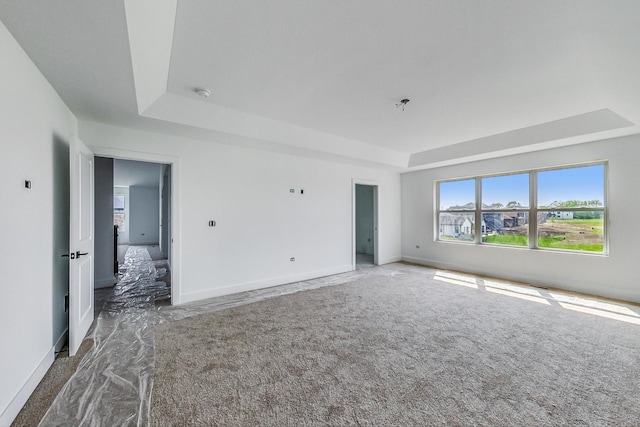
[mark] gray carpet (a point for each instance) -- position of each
(57, 375)
(396, 351)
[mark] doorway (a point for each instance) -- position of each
(365, 224)
(136, 218)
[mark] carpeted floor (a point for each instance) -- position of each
(407, 350)
(64, 366)
(56, 377)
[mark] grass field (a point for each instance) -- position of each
(572, 234)
(595, 225)
(560, 242)
(568, 234)
(507, 239)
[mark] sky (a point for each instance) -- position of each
(581, 183)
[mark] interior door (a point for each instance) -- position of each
(81, 235)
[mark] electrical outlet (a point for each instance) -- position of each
(292, 259)
(292, 190)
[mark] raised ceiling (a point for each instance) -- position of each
(321, 78)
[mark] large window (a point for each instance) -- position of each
(561, 208)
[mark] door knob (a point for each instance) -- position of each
(79, 254)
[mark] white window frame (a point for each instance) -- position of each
(532, 210)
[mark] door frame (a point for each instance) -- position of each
(175, 261)
(376, 208)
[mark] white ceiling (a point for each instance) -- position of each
(128, 173)
(322, 78)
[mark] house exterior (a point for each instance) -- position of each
(450, 224)
(561, 215)
(455, 225)
(514, 219)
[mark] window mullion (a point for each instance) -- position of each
(533, 210)
(478, 212)
(436, 227)
(605, 210)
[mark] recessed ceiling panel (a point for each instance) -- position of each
(471, 69)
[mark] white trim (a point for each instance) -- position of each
(13, 408)
(174, 161)
(420, 261)
(390, 260)
(533, 210)
(61, 341)
(260, 284)
(105, 283)
(445, 266)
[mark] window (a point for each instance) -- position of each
(456, 219)
(505, 209)
(118, 211)
(571, 208)
(567, 211)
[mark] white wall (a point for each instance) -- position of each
(144, 220)
(34, 139)
(615, 275)
(260, 224)
(104, 257)
(123, 235)
(364, 219)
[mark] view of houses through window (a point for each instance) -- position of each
(555, 208)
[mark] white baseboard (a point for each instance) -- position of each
(389, 260)
(105, 282)
(13, 409)
(251, 286)
(420, 261)
(443, 265)
(61, 341)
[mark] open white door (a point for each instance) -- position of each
(80, 243)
